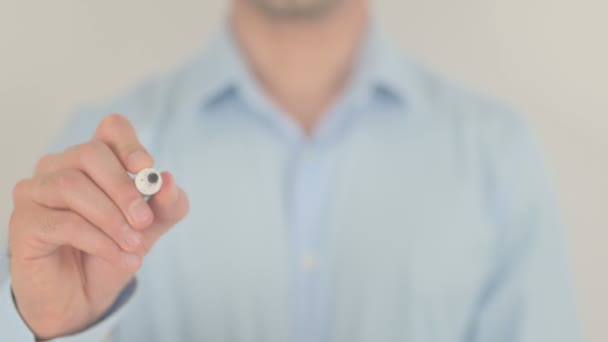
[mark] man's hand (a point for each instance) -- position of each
(80, 229)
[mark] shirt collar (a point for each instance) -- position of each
(377, 69)
(380, 69)
(224, 68)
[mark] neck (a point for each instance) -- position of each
(302, 64)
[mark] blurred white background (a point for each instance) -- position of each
(547, 58)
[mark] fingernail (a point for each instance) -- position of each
(140, 212)
(131, 260)
(138, 158)
(132, 238)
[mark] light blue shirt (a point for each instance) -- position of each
(418, 211)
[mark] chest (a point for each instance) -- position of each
(406, 242)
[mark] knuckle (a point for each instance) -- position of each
(20, 189)
(15, 221)
(91, 150)
(68, 180)
(70, 222)
(44, 163)
(109, 123)
(49, 224)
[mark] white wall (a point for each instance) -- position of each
(545, 57)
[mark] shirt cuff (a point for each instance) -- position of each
(13, 328)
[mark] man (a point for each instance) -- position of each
(338, 192)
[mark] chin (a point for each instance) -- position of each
(296, 8)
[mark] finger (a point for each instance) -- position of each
(47, 163)
(72, 189)
(118, 133)
(100, 164)
(55, 228)
(170, 205)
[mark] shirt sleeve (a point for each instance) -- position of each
(529, 296)
(13, 327)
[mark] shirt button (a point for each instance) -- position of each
(309, 262)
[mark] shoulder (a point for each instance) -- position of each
(491, 140)
(466, 113)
